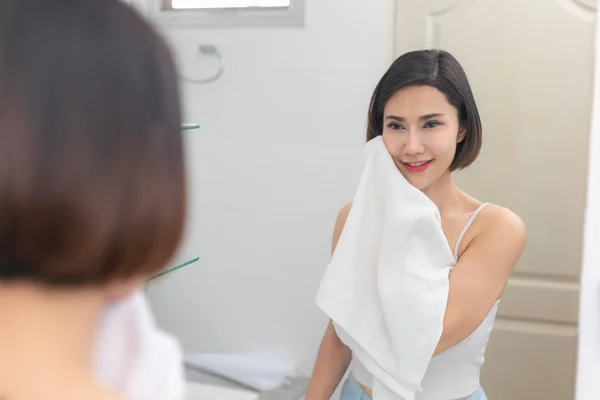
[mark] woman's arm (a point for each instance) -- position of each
(332, 361)
(480, 275)
(334, 356)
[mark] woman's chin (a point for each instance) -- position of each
(419, 183)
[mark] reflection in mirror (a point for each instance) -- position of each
(416, 241)
(282, 149)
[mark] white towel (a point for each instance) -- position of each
(134, 358)
(386, 287)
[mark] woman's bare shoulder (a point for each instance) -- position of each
(501, 222)
(340, 222)
(494, 214)
(343, 215)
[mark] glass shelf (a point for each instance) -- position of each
(175, 268)
(189, 127)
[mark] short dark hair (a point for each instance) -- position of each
(438, 69)
(92, 185)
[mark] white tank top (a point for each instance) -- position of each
(453, 374)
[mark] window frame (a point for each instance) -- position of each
(252, 17)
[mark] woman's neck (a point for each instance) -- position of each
(445, 194)
(47, 337)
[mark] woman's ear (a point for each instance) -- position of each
(462, 133)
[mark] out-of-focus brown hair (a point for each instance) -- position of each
(92, 185)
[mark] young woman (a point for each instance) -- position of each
(92, 194)
(425, 112)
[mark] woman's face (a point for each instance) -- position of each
(420, 131)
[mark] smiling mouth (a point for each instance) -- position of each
(417, 166)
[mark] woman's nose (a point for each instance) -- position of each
(413, 145)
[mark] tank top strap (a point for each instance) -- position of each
(466, 227)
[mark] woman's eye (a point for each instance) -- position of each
(431, 124)
(395, 126)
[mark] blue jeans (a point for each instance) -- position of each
(352, 391)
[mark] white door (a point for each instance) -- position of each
(530, 63)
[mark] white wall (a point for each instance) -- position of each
(588, 368)
(278, 153)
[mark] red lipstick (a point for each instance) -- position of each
(417, 166)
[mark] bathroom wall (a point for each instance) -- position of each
(278, 153)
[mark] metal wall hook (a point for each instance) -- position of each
(208, 50)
